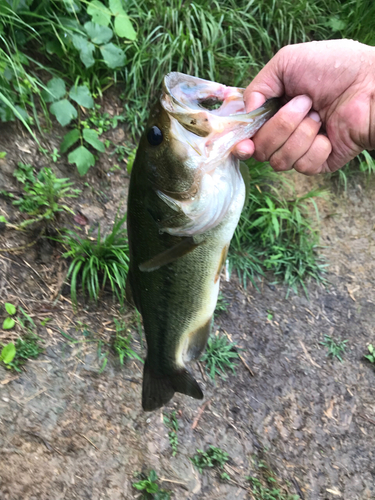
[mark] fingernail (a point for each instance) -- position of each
(314, 116)
(301, 104)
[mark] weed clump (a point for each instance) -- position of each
(220, 356)
(276, 233)
(335, 349)
(213, 457)
(98, 261)
(171, 422)
(149, 487)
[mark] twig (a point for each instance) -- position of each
(308, 355)
(88, 440)
(18, 249)
(171, 481)
(298, 489)
(200, 413)
(246, 365)
(365, 417)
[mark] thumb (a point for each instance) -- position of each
(268, 83)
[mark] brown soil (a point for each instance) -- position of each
(70, 432)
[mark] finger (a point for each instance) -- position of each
(314, 161)
(280, 127)
(244, 150)
(254, 100)
(268, 83)
(298, 143)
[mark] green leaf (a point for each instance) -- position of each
(8, 323)
(85, 48)
(3, 154)
(64, 112)
(123, 26)
(82, 96)
(54, 47)
(113, 56)
(72, 6)
(56, 90)
(82, 158)
(10, 308)
(99, 13)
(69, 139)
(91, 136)
(3, 219)
(98, 34)
(7, 353)
(336, 24)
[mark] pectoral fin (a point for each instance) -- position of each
(185, 246)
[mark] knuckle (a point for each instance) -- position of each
(278, 163)
(284, 126)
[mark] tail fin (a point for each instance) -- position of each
(158, 390)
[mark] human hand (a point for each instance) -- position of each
(329, 83)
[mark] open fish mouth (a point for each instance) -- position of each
(184, 92)
(207, 120)
(208, 108)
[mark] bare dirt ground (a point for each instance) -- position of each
(69, 432)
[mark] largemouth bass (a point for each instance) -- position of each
(185, 198)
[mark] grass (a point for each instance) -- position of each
(149, 487)
(221, 305)
(270, 491)
(212, 457)
(220, 356)
(277, 232)
(43, 194)
(122, 341)
(371, 354)
(335, 349)
(49, 47)
(27, 346)
(265, 485)
(171, 422)
(361, 168)
(94, 262)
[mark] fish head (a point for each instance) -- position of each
(187, 146)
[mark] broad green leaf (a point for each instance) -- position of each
(123, 26)
(56, 90)
(54, 47)
(8, 323)
(98, 34)
(7, 353)
(82, 96)
(3, 219)
(64, 111)
(99, 13)
(10, 308)
(69, 139)
(85, 48)
(82, 158)
(116, 7)
(336, 24)
(113, 56)
(91, 136)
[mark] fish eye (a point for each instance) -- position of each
(155, 136)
